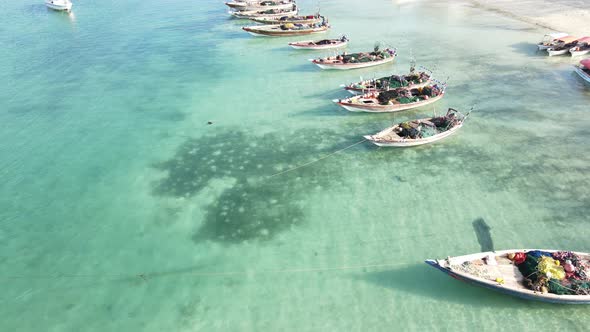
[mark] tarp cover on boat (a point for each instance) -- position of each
(584, 40)
(585, 63)
(568, 39)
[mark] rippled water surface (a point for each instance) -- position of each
(121, 209)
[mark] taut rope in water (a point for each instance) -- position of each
(146, 276)
(314, 161)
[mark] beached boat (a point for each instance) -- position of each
(583, 69)
(563, 46)
(395, 100)
(59, 5)
(356, 60)
(582, 47)
(549, 40)
(412, 80)
(288, 29)
(542, 275)
(269, 13)
(419, 132)
(320, 44)
(260, 5)
(304, 19)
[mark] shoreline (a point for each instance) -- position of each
(568, 16)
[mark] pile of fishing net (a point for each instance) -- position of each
(406, 96)
(562, 273)
(365, 57)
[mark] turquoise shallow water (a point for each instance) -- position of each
(109, 171)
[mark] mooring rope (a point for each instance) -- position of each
(314, 161)
(146, 276)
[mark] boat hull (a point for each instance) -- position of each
(521, 293)
(64, 6)
(560, 52)
(349, 66)
(284, 33)
(317, 47)
(270, 20)
(351, 107)
(359, 91)
(578, 53)
(412, 142)
(582, 74)
(252, 16)
(244, 6)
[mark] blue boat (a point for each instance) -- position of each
(497, 271)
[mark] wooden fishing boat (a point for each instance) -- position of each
(582, 47)
(412, 80)
(320, 44)
(549, 40)
(563, 46)
(419, 132)
(583, 69)
(260, 5)
(304, 19)
(395, 100)
(284, 30)
(269, 13)
(356, 60)
(550, 275)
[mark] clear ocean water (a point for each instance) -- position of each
(121, 209)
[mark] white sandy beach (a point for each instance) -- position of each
(571, 16)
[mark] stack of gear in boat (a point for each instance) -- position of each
(299, 26)
(425, 129)
(395, 81)
(363, 57)
(407, 96)
(562, 273)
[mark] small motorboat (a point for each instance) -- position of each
(269, 13)
(260, 5)
(320, 44)
(356, 60)
(563, 46)
(288, 29)
(304, 19)
(542, 275)
(550, 39)
(419, 132)
(582, 47)
(395, 100)
(412, 80)
(583, 69)
(59, 5)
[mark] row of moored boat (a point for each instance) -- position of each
(393, 93)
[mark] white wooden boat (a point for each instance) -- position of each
(563, 46)
(269, 13)
(260, 5)
(323, 44)
(412, 80)
(582, 47)
(550, 39)
(498, 270)
(583, 69)
(356, 60)
(396, 100)
(419, 132)
(303, 19)
(284, 30)
(59, 5)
